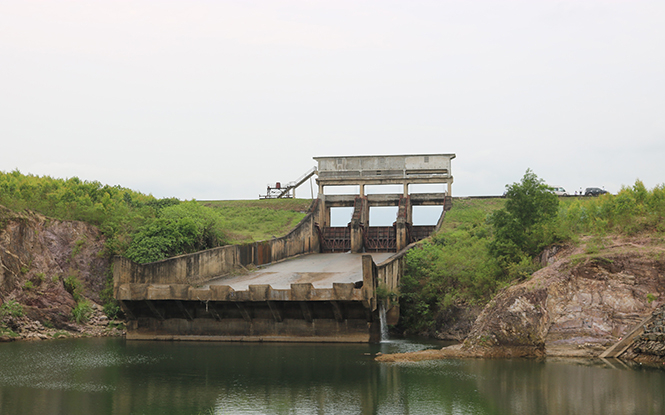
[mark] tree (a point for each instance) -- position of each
(525, 226)
(179, 229)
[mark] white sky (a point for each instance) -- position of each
(216, 99)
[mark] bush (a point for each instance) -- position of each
(633, 210)
(11, 308)
(179, 229)
(452, 269)
(112, 310)
(82, 312)
(74, 287)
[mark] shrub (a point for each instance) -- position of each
(383, 293)
(113, 310)
(74, 287)
(453, 268)
(82, 312)
(11, 308)
(179, 229)
(633, 210)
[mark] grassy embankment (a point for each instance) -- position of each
(456, 268)
(258, 220)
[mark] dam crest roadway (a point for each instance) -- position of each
(319, 283)
(321, 270)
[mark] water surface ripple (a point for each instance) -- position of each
(114, 376)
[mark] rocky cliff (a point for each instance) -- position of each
(42, 262)
(586, 299)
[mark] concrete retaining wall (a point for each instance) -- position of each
(205, 265)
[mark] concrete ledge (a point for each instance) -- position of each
(255, 293)
(358, 338)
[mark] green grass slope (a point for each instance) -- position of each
(455, 269)
(258, 220)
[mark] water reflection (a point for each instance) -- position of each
(111, 376)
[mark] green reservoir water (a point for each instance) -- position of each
(114, 376)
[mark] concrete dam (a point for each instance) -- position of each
(319, 283)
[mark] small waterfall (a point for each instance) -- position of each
(384, 322)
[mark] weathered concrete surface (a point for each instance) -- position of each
(295, 306)
(393, 169)
(321, 270)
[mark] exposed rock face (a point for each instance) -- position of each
(457, 324)
(514, 324)
(37, 255)
(576, 306)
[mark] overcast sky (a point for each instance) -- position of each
(216, 99)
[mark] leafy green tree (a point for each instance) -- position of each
(527, 223)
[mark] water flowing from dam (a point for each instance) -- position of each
(384, 322)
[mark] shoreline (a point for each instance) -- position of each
(24, 328)
(457, 351)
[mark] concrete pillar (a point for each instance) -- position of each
(362, 190)
(450, 188)
(356, 234)
(369, 282)
(321, 215)
(356, 225)
(326, 216)
(402, 223)
(406, 189)
(401, 234)
(409, 211)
